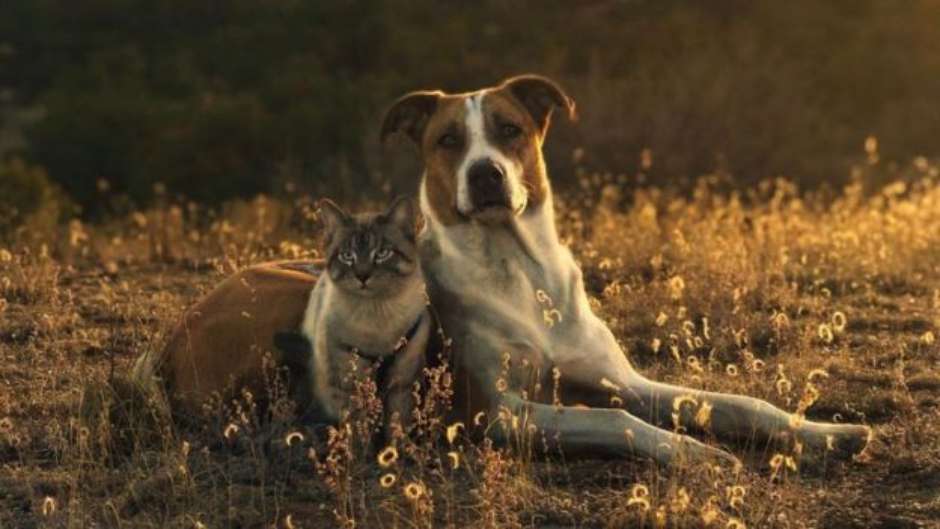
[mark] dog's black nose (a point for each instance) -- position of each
(487, 183)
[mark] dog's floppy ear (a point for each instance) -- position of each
(540, 95)
(410, 114)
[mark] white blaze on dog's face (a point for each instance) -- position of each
(489, 179)
(482, 150)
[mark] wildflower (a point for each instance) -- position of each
(292, 437)
(639, 495)
(452, 431)
(478, 418)
(550, 316)
(779, 461)
(501, 385)
(783, 386)
(732, 370)
(709, 514)
(817, 373)
(388, 456)
(734, 523)
(736, 496)
(542, 297)
(230, 431)
(839, 321)
(661, 319)
(644, 503)
(683, 399)
(810, 395)
(681, 501)
(676, 287)
(758, 365)
(454, 459)
(414, 491)
(704, 416)
(48, 506)
(825, 333)
(928, 338)
(387, 480)
(289, 522)
(5, 255)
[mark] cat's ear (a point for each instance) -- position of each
(402, 214)
(333, 217)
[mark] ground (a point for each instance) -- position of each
(823, 305)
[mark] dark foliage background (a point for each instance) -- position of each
(217, 99)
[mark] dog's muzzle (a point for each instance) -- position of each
(488, 186)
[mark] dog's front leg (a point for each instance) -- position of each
(741, 418)
(728, 417)
(594, 432)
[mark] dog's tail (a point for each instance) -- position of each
(146, 370)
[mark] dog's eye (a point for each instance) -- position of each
(384, 254)
(347, 257)
(448, 141)
(509, 131)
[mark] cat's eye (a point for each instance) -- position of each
(448, 141)
(347, 257)
(509, 131)
(383, 254)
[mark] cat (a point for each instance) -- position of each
(366, 314)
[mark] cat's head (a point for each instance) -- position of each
(371, 254)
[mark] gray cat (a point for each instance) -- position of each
(368, 310)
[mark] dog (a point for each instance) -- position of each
(526, 345)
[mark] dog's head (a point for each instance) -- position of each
(482, 150)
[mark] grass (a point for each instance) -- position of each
(825, 304)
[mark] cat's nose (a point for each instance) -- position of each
(363, 278)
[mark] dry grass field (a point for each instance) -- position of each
(826, 304)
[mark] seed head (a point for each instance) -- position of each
(388, 456)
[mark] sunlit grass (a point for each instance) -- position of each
(827, 306)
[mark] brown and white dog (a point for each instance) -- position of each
(525, 344)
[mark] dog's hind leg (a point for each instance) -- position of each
(595, 432)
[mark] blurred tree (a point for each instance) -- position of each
(218, 99)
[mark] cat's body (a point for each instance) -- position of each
(370, 305)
